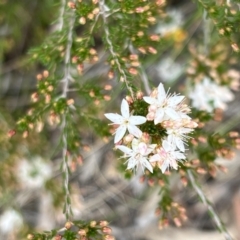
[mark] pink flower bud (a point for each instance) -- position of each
(152, 108)
(150, 116)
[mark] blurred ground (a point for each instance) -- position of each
(100, 192)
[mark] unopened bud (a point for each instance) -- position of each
(151, 182)
(80, 68)
(45, 74)
(25, 134)
(128, 138)
(139, 10)
(160, 2)
(139, 95)
(34, 97)
(90, 16)
(30, 236)
(110, 74)
(58, 237)
(11, 133)
(93, 223)
(107, 98)
(155, 37)
(74, 59)
(133, 71)
(68, 225)
(82, 20)
(72, 5)
(106, 230)
(221, 31)
(39, 77)
(142, 50)
(95, 11)
(235, 47)
(201, 170)
(177, 222)
(140, 33)
(151, 19)
(152, 108)
(184, 181)
(108, 87)
(129, 99)
(92, 51)
(233, 134)
(135, 64)
(103, 223)
(133, 57)
(70, 101)
(150, 116)
(152, 50)
(82, 232)
(161, 182)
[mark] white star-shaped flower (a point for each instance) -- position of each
(125, 122)
(177, 136)
(164, 104)
(208, 95)
(138, 154)
(167, 156)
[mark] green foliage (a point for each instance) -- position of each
(85, 54)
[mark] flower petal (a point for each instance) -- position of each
(150, 100)
(114, 117)
(179, 155)
(125, 109)
(164, 166)
(171, 113)
(173, 101)
(124, 149)
(137, 120)
(132, 162)
(135, 143)
(150, 149)
(146, 164)
(159, 116)
(155, 158)
(120, 133)
(180, 144)
(167, 146)
(134, 131)
(161, 93)
(174, 164)
(142, 148)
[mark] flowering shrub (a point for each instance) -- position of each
(93, 53)
(164, 123)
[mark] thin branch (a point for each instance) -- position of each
(111, 49)
(61, 16)
(209, 206)
(206, 32)
(65, 89)
(145, 81)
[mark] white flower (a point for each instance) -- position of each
(167, 156)
(125, 122)
(138, 154)
(177, 136)
(207, 95)
(168, 70)
(33, 173)
(164, 105)
(10, 220)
